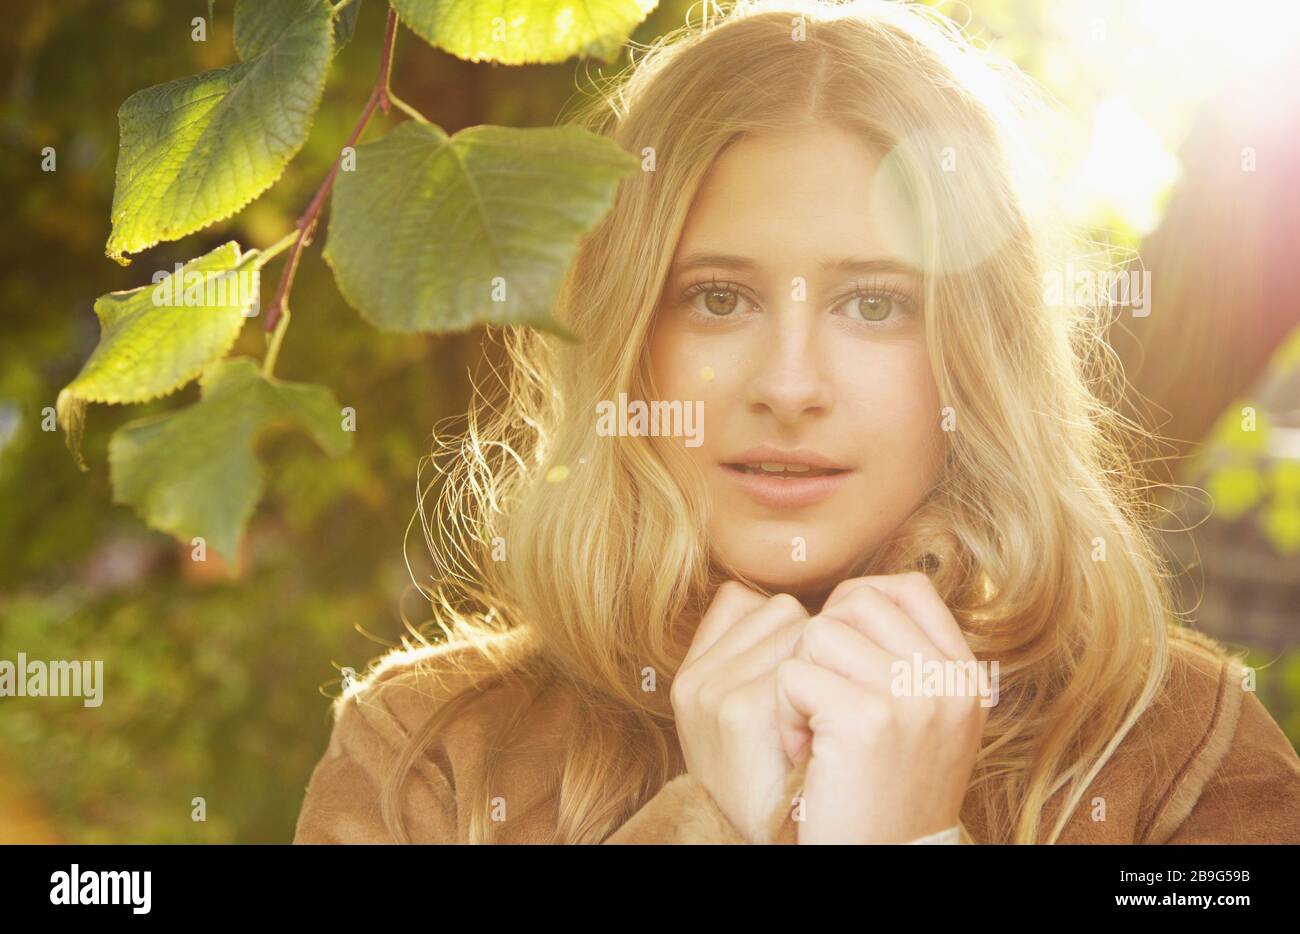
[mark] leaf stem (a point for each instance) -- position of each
(276, 248)
(273, 341)
(406, 108)
(379, 98)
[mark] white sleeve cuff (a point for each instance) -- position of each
(951, 835)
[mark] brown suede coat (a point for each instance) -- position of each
(1206, 764)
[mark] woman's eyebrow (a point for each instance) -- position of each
(854, 265)
(744, 263)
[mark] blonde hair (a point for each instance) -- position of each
(609, 569)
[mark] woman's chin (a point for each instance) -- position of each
(811, 589)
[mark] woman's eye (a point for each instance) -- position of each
(875, 306)
(715, 302)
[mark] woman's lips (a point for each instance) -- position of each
(786, 492)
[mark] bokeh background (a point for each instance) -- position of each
(218, 679)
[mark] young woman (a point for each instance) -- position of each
(906, 471)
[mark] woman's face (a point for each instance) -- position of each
(788, 314)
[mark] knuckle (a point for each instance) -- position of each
(735, 600)
(733, 711)
(682, 691)
(918, 579)
(823, 626)
(785, 640)
(793, 630)
(686, 681)
(816, 632)
(732, 588)
(844, 587)
(733, 592)
(786, 603)
(860, 599)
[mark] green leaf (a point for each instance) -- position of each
(260, 23)
(517, 32)
(197, 150)
(345, 24)
(193, 472)
(437, 233)
(156, 338)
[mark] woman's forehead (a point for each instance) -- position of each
(812, 198)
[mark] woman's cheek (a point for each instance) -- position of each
(897, 401)
(685, 365)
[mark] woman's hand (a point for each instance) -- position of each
(883, 766)
(724, 698)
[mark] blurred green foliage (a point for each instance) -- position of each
(1242, 472)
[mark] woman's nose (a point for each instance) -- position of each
(788, 378)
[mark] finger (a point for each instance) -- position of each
(792, 726)
(762, 658)
(756, 626)
(881, 620)
(731, 601)
(803, 692)
(759, 695)
(838, 647)
(916, 596)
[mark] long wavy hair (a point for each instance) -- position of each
(1037, 534)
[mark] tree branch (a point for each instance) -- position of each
(379, 98)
